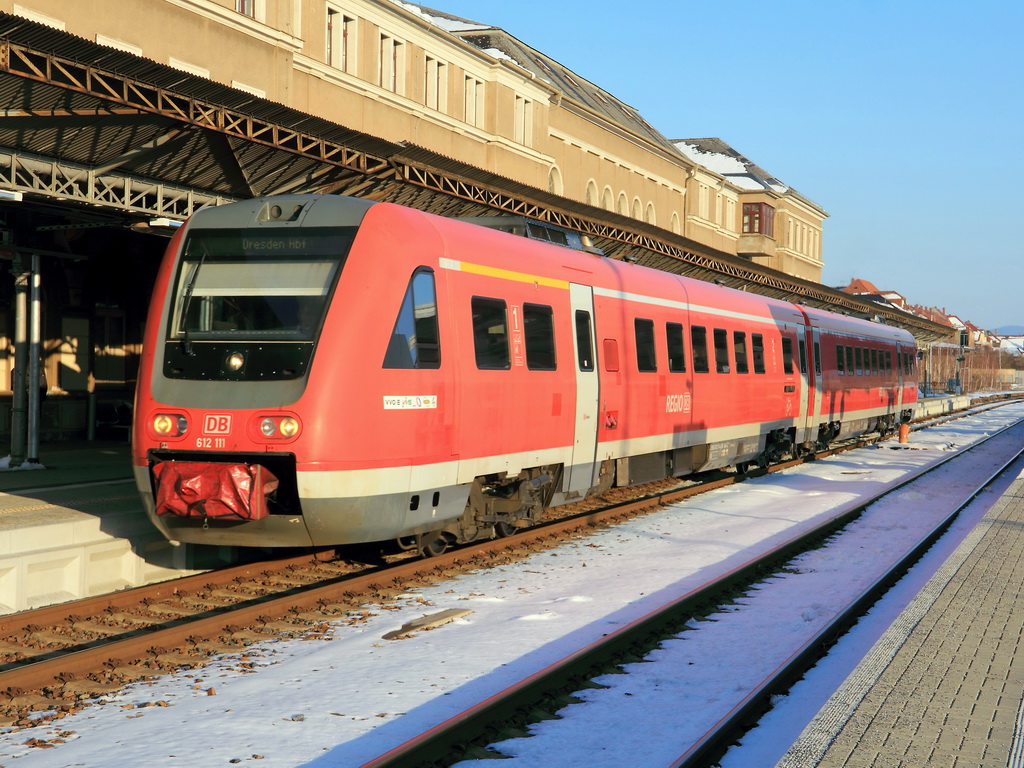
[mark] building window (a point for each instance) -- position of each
(246, 8)
(704, 203)
(391, 69)
(555, 186)
(758, 219)
(474, 102)
(436, 86)
(523, 121)
(340, 38)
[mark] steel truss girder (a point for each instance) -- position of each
(31, 174)
(54, 70)
(82, 78)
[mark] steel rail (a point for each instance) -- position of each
(808, 654)
(438, 742)
(60, 665)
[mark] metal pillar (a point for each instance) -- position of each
(27, 355)
(34, 357)
(20, 401)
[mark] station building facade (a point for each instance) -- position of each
(404, 74)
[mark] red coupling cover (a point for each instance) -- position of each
(224, 491)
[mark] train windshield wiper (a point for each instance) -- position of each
(186, 341)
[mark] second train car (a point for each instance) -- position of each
(323, 370)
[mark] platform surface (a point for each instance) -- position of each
(945, 685)
(77, 528)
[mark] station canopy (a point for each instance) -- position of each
(100, 137)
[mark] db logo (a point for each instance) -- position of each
(217, 424)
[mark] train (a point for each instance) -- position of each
(322, 371)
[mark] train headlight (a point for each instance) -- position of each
(170, 424)
(235, 361)
(279, 427)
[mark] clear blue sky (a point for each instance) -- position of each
(901, 118)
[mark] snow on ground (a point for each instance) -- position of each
(343, 700)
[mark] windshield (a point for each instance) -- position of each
(263, 286)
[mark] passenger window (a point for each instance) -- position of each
(839, 359)
(739, 347)
(787, 355)
(699, 342)
(817, 359)
(888, 361)
(643, 331)
(849, 361)
(676, 355)
(721, 350)
(415, 342)
(757, 347)
(860, 364)
(490, 333)
(584, 345)
(874, 362)
(803, 356)
(539, 330)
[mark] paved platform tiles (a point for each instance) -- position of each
(944, 687)
(77, 529)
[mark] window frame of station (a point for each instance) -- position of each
(342, 37)
(758, 219)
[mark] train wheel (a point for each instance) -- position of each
(432, 544)
(503, 530)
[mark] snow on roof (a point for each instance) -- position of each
(713, 161)
(718, 157)
(444, 21)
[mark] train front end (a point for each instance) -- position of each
(237, 316)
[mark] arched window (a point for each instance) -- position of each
(554, 181)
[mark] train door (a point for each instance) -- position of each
(898, 362)
(810, 366)
(580, 473)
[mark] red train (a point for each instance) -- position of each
(321, 370)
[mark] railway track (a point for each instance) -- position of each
(468, 734)
(57, 658)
